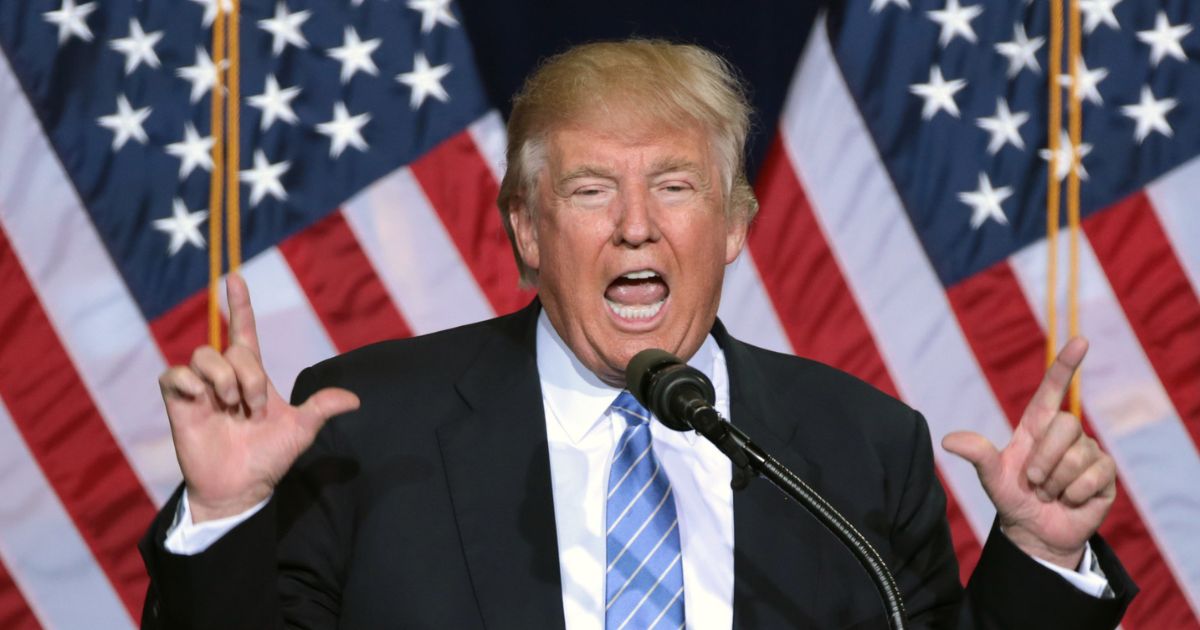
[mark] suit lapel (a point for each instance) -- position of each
(498, 469)
(777, 561)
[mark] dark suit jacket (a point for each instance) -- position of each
(431, 506)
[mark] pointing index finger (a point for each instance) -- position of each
(242, 330)
(1048, 398)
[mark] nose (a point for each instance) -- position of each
(636, 223)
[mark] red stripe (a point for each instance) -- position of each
(800, 274)
(15, 613)
(1009, 344)
(461, 187)
(341, 284)
(1154, 292)
(182, 329)
(52, 409)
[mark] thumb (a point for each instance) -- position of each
(976, 449)
(324, 405)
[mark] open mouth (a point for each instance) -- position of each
(637, 295)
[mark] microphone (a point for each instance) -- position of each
(682, 398)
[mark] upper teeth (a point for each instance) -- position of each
(640, 275)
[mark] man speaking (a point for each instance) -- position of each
(497, 475)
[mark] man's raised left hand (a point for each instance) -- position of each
(1052, 485)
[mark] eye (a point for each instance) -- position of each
(591, 196)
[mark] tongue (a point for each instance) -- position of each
(636, 292)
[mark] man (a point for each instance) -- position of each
(495, 475)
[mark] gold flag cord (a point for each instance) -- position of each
(223, 186)
(1053, 186)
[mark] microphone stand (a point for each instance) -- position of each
(750, 460)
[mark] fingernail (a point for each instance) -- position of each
(1043, 495)
(1035, 475)
(230, 396)
(258, 402)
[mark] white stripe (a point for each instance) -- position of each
(418, 263)
(84, 296)
(491, 140)
(651, 590)
(289, 333)
(629, 506)
(1174, 199)
(1130, 412)
(43, 551)
(886, 268)
(628, 471)
(746, 309)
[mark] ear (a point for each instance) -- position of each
(524, 225)
(735, 237)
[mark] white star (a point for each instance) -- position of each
(285, 28)
(182, 226)
(1063, 157)
(138, 47)
(879, 5)
(1164, 39)
(344, 130)
(1021, 51)
(938, 94)
(1004, 127)
(1097, 12)
(275, 103)
(425, 81)
(210, 9)
(264, 178)
(355, 54)
(202, 74)
(1150, 115)
(193, 151)
(985, 202)
(434, 12)
(71, 20)
(126, 123)
(1088, 82)
(955, 20)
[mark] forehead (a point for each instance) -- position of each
(627, 143)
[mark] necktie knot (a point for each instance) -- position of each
(630, 409)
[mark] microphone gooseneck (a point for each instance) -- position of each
(682, 398)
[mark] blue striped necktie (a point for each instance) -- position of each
(644, 578)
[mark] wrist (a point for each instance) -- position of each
(1065, 557)
(203, 510)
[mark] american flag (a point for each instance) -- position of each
(901, 238)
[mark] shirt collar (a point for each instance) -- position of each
(577, 398)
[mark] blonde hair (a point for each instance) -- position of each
(661, 80)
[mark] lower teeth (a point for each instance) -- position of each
(638, 311)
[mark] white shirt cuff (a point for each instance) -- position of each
(186, 538)
(1089, 578)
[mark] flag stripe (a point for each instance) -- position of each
(799, 271)
(1131, 414)
(1154, 293)
(746, 309)
(54, 413)
(342, 285)
(419, 265)
(56, 572)
(179, 331)
(82, 293)
(1174, 200)
(1005, 335)
(15, 613)
(286, 322)
(886, 269)
(462, 188)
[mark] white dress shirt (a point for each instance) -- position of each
(582, 432)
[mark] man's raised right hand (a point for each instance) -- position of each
(234, 435)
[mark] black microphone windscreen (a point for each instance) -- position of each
(641, 366)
